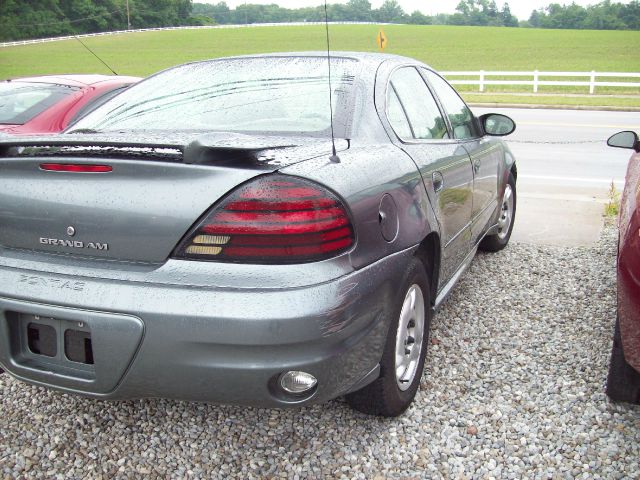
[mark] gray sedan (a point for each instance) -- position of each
(250, 230)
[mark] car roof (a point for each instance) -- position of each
(78, 80)
(363, 57)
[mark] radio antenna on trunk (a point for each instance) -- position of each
(334, 157)
(92, 53)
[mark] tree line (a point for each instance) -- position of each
(469, 12)
(601, 16)
(22, 19)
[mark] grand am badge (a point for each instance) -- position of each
(74, 244)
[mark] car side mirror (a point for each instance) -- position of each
(625, 139)
(497, 125)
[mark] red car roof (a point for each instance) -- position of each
(76, 80)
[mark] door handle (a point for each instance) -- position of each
(476, 165)
(438, 181)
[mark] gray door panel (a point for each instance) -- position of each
(445, 165)
(452, 203)
(486, 158)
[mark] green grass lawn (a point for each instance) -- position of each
(443, 47)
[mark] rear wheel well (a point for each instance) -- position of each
(429, 254)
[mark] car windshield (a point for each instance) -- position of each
(22, 101)
(269, 94)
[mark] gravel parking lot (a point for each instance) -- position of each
(514, 387)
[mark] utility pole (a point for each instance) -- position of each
(128, 17)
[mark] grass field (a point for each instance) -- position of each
(443, 47)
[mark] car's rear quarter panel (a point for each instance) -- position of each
(363, 176)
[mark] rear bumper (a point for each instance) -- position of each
(223, 345)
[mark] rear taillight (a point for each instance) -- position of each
(274, 219)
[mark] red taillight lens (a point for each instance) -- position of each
(274, 219)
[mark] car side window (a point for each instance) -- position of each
(397, 117)
(408, 96)
(462, 120)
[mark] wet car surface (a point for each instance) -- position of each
(623, 381)
(201, 236)
(49, 104)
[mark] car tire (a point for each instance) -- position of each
(623, 381)
(500, 239)
(394, 390)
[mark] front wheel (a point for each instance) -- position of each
(405, 350)
(500, 239)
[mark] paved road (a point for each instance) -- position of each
(570, 163)
(563, 183)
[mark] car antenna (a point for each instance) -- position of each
(334, 157)
(92, 53)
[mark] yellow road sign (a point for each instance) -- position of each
(381, 40)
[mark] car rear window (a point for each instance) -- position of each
(268, 94)
(22, 101)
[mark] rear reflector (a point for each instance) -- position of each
(75, 167)
(274, 219)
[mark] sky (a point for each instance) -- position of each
(520, 8)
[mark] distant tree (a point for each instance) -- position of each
(92, 16)
(465, 7)
(440, 19)
(535, 19)
(419, 18)
(390, 11)
(219, 12)
(508, 20)
(359, 10)
(482, 12)
(630, 15)
(602, 16)
(490, 12)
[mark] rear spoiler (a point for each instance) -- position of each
(203, 150)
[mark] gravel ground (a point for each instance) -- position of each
(514, 387)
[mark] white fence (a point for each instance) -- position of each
(484, 79)
(199, 27)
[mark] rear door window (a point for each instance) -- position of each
(22, 101)
(408, 94)
(462, 120)
(397, 116)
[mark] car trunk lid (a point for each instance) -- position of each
(139, 208)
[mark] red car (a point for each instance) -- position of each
(623, 383)
(48, 104)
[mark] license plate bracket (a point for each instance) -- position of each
(53, 344)
(115, 340)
